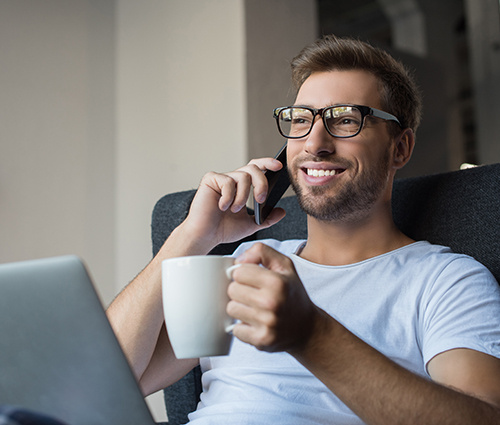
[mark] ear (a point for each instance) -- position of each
(403, 148)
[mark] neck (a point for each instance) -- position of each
(341, 243)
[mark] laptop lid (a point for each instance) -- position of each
(58, 353)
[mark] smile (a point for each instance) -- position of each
(322, 173)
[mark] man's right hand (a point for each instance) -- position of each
(218, 212)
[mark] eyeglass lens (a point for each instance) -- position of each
(341, 121)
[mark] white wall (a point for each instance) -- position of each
(57, 162)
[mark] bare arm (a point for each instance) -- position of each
(277, 315)
(217, 215)
(381, 392)
(136, 316)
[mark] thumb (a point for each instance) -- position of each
(276, 215)
(268, 257)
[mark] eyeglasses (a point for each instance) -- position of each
(295, 122)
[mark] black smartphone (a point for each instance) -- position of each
(278, 183)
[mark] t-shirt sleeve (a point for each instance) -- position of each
(461, 309)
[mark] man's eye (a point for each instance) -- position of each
(349, 121)
(300, 120)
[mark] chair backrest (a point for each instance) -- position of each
(459, 209)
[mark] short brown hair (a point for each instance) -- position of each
(399, 93)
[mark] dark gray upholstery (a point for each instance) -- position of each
(459, 209)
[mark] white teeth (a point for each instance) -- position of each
(320, 173)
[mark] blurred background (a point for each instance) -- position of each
(107, 105)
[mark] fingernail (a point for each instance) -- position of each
(262, 197)
(236, 208)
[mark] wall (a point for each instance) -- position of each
(57, 162)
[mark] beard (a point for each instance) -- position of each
(352, 201)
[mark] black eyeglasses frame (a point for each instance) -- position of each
(364, 110)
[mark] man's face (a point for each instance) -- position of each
(341, 179)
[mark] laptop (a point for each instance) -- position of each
(58, 353)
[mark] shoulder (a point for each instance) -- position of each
(452, 282)
(441, 260)
(445, 272)
(459, 305)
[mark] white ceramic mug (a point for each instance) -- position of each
(194, 303)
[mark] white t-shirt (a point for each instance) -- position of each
(410, 304)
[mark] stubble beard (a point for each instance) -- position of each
(351, 202)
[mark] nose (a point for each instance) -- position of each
(319, 142)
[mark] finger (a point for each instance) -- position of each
(246, 177)
(271, 259)
(243, 186)
(246, 277)
(242, 312)
(255, 326)
(256, 168)
(257, 180)
(276, 215)
(267, 164)
(233, 189)
(257, 287)
(226, 187)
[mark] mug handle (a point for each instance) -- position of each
(230, 270)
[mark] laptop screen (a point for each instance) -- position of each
(58, 353)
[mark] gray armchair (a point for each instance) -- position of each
(459, 209)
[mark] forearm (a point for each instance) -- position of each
(378, 390)
(136, 315)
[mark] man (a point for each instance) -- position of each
(358, 324)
